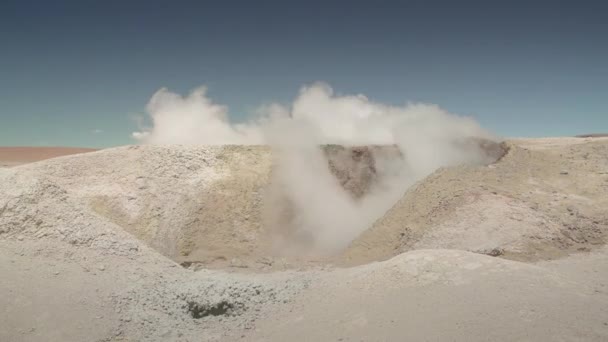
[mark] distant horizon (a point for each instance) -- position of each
(582, 136)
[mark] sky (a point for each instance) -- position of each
(80, 73)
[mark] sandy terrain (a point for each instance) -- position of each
(545, 199)
(91, 246)
(13, 156)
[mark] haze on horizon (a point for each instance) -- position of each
(80, 73)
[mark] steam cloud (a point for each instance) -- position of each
(323, 213)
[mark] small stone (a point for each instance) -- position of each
(20, 237)
(101, 267)
(563, 172)
(237, 263)
(56, 273)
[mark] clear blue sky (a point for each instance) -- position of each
(522, 68)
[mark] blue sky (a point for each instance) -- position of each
(521, 68)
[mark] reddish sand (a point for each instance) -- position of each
(13, 156)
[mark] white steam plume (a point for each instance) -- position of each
(192, 120)
(323, 211)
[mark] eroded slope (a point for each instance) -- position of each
(543, 200)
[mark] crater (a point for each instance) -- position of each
(216, 215)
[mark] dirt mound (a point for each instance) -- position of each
(540, 201)
(57, 255)
(207, 206)
(214, 206)
(184, 202)
(196, 205)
